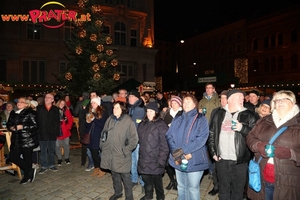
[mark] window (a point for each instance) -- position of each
(33, 31)
(266, 41)
(229, 37)
(120, 33)
(255, 44)
(273, 41)
(3, 70)
(294, 61)
(238, 35)
(267, 65)
(294, 37)
(133, 38)
(280, 63)
(127, 71)
(279, 39)
(255, 66)
(34, 71)
(69, 28)
(230, 50)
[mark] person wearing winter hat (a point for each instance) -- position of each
(136, 109)
(254, 101)
(151, 171)
(265, 108)
(175, 110)
(33, 104)
(122, 99)
(228, 129)
(95, 120)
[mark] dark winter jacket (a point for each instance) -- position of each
(121, 141)
(137, 112)
(154, 149)
(48, 123)
(26, 137)
(247, 118)
(97, 126)
(194, 143)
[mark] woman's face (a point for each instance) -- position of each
(175, 106)
(188, 104)
(62, 104)
(265, 110)
(67, 98)
(21, 103)
(117, 110)
(94, 105)
(9, 107)
(283, 104)
(150, 114)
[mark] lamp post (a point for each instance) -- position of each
(232, 85)
(177, 61)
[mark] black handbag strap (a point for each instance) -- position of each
(274, 138)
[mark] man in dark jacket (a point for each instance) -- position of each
(227, 144)
(48, 122)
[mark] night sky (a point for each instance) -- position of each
(189, 18)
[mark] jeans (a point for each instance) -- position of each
(65, 144)
(134, 172)
(117, 184)
(228, 173)
(269, 191)
(90, 158)
(188, 185)
(47, 155)
(151, 182)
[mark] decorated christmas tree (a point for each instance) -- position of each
(92, 64)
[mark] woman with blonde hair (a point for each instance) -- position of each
(280, 172)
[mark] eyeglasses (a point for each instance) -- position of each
(283, 100)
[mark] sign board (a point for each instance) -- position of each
(207, 79)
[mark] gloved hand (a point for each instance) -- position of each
(261, 148)
(282, 152)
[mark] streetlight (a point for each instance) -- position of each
(232, 85)
(177, 85)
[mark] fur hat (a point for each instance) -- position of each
(122, 99)
(152, 106)
(177, 99)
(233, 91)
(135, 93)
(34, 103)
(254, 92)
(97, 100)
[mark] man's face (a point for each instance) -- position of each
(209, 89)
(236, 101)
(132, 99)
(49, 99)
(223, 100)
(122, 93)
(253, 98)
(93, 95)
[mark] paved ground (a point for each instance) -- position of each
(72, 182)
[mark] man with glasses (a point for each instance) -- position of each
(48, 121)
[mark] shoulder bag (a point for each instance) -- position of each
(87, 137)
(254, 168)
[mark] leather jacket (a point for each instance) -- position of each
(247, 118)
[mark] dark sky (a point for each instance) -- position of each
(194, 17)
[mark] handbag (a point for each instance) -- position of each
(86, 139)
(254, 168)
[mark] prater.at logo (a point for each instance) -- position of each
(51, 15)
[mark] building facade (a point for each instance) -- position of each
(32, 54)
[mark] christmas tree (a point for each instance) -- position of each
(92, 62)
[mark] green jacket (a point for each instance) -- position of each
(209, 104)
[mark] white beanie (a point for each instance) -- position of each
(97, 100)
(34, 103)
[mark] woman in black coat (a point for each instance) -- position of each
(153, 152)
(22, 124)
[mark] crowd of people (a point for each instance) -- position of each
(138, 138)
